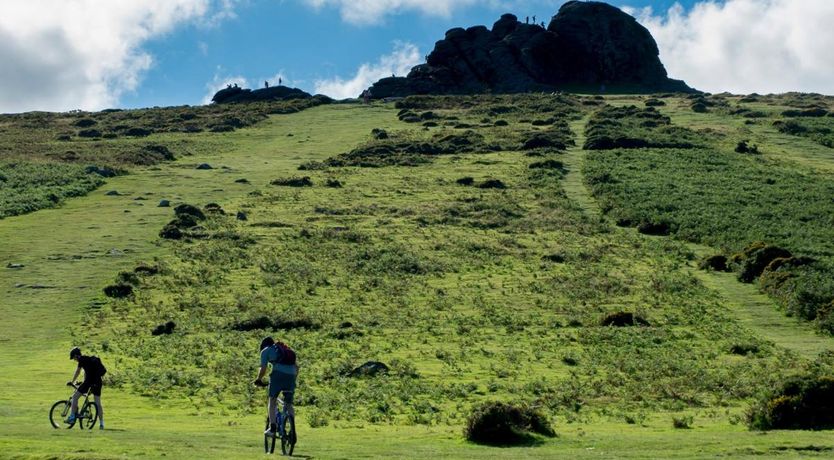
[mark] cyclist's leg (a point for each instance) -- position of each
(97, 398)
(270, 407)
(288, 406)
(81, 390)
(274, 389)
(74, 404)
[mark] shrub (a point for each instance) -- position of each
(699, 107)
(744, 349)
(804, 403)
(555, 258)
(333, 183)
(623, 319)
(683, 422)
(717, 262)
(188, 210)
(492, 183)
(138, 132)
(293, 182)
(147, 270)
(753, 260)
(815, 113)
(261, 322)
(369, 369)
(654, 228)
(85, 123)
(89, 133)
(378, 133)
(214, 208)
(465, 181)
(548, 164)
(496, 423)
(118, 291)
(500, 123)
(654, 103)
(743, 147)
(127, 278)
(165, 329)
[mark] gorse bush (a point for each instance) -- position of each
(801, 403)
(502, 424)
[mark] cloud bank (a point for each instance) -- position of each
(83, 54)
(400, 62)
(745, 46)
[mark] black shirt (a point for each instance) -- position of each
(90, 366)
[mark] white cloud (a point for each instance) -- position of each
(400, 62)
(69, 54)
(745, 46)
(374, 11)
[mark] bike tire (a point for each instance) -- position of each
(88, 415)
(59, 413)
(289, 437)
(269, 440)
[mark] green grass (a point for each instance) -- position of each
(29, 186)
(469, 294)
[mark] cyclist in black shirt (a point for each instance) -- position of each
(93, 372)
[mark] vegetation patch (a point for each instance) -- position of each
(502, 424)
(819, 130)
(164, 329)
(409, 149)
(740, 198)
(623, 319)
(27, 186)
(801, 403)
(293, 182)
(632, 128)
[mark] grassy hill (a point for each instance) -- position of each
(481, 247)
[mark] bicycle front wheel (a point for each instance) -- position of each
(88, 416)
(289, 437)
(58, 415)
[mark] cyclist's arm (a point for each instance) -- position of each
(261, 373)
(77, 371)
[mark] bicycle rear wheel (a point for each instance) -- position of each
(59, 413)
(88, 416)
(289, 437)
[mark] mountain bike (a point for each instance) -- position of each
(286, 429)
(87, 412)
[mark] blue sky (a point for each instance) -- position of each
(93, 54)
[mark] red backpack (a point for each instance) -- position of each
(286, 355)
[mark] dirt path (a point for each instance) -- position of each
(752, 308)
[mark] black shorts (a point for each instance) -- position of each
(93, 386)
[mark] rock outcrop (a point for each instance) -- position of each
(237, 94)
(587, 46)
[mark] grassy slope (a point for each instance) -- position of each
(35, 334)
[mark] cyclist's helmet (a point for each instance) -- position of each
(266, 342)
(75, 352)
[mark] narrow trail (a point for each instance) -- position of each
(753, 309)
